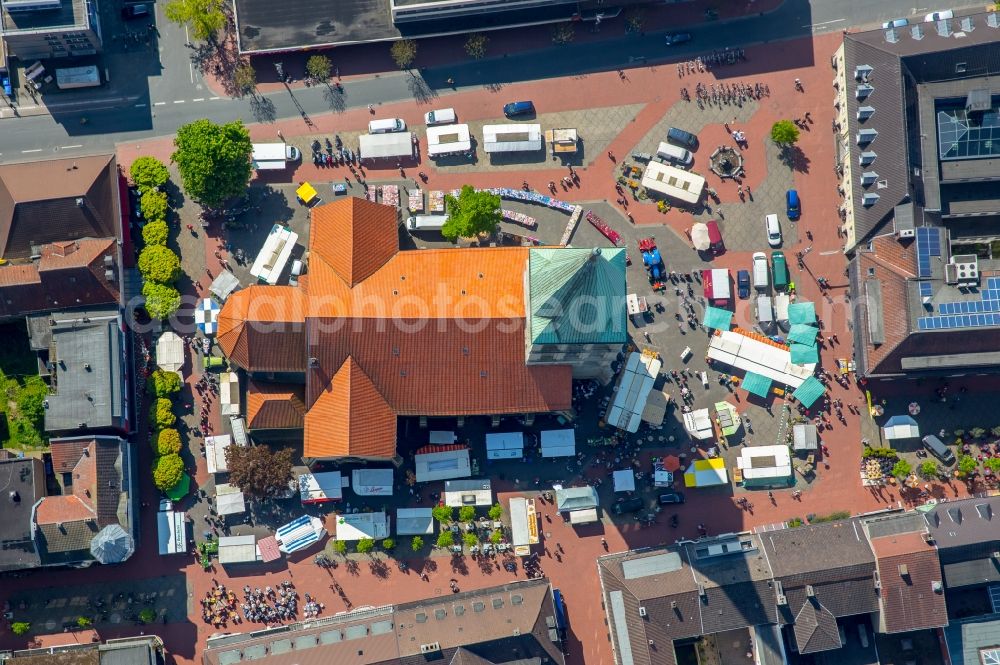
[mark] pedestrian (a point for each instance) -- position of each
(451, 81)
(611, 155)
(809, 117)
(371, 109)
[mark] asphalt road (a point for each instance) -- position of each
(175, 94)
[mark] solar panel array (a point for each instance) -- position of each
(967, 313)
(926, 289)
(928, 245)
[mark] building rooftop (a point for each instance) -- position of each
(955, 524)
(275, 405)
(912, 583)
(69, 14)
(23, 481)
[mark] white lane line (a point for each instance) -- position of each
(816, 25)
(178, 101)
(213, 98)
(140, 106)
(35, 150)
(159, 103)
(70, 147)
(199, 99)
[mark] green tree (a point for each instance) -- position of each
(466, 513)
(161, 413)
(977, 432)
(416, 543)
(155, 233)
(162, 383)
(20, 627)
(259, 472)
(319, 67)
(995, 431)
(365, 546)
(388, 544)
(476, 45)
(162, 300)
(153, 205)
(928, 470)
(205, 18)
(496, 511)
(245, 79)
(84, 622)
(445, 539)
(167, 472)
(147, 615)
(30, 400)
(168, 442)
(213, 160)
(901, 469)
(967, 465)
(470, 539)
(784, 133)
(340, 546)
(496, 537)
(148, 173)
(993, 464)
(159, 264)
(443, 514)
(403, 52)
(471, 214)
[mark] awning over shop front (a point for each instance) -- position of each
(810, 391)
(756, 384)
(802, 312)
(802, 333)
(717, 318)
(804, 354)
(706, 473)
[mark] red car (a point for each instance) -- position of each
(715, 237)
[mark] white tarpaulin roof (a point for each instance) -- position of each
(229, 394)
(504, 445)
(362, 525)
(414, 522)
(170, 352)
(585, 516)
(512, 138)
(378, 146)
(237, 549)
(523, 522)
(761, 462)
(171, 533)
(372, 482)
(751, 355)
(901, 427)
(673, 182)
(274, 255)
(215, 452)
(223, 285)
(699, 424)
(443, 465)
(558, 442)
(229, 500)
(624, 480)
(321, 487)
(447, 139)
(804, 436)
(468, 492)
(634, 385)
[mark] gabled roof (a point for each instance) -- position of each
(262, 328)
(57, 200)
(955, 524)
(912, 585)
(816, 629)
(275, 405)
(354, 236)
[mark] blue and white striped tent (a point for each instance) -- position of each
(206, 316)
(299, 534)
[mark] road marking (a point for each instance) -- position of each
(35, 150)
(213, 98)
(178, 101)
(199, 99)
(816, 25)
(159, 103)
(70, 147)
(140, 106)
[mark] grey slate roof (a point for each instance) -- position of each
(965, 639)
(815, 628)
(817, 553)
(26, 477)
(971, 573)
(960, 523)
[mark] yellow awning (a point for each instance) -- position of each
(706, 472)
(305, 192)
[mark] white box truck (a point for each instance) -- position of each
(272, 156)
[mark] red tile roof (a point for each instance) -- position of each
(354, 236)
(910, 601)
(59, 509)
(891, 262)
(67, 452)
(275, 406)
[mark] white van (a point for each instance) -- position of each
(781, 302)
(773, 229)
(761, 280)
(440, 117)
(425, 222)
(674, 154)
(386, 125)
(269, 156)
(765, 312)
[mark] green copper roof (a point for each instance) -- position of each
(577, 295)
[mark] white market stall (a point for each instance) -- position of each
(215, 452)
(442, 463)
(583, 516)
(170, 352)
(504, 445)
(299, 534)
(634, 385)
(558, 442)
(699, 424)
(238, 549)
(414, 522)
(673, 182)
(523, 525)
(223, 285)
(706, 473)
(624, 480)
(448, 140)
(576, 498)
(468, 492)
(239, 427)
(274, 254)
(512, 138)
(362, 525)
(229, 394)
(805, 437)
(372, 482)
(768, 359)
(386, 146)
(171, 530)
(765, 466)
(229, 500)
(321, 487)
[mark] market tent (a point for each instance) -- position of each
(802, 312)
(728, 419)
(706, 473)
(414, 522)
(372, 482)
(756, 384)
(656, 407)
(804, 354)
(321, 487)
(717, 318)
(362, 525)
(170, 352)
(229, 500)
(558, 443)
(268, 549)
(576, 498)
(180, 490)
(468, 492)
(215, 452)
(206, 316)
(505, 445)
(300, 533)
(810, 391)
(229, 394)
(751, 352)
(699, 424)
(512, 138)
(171, 531)
(441, 437)
(112, 544)
(699, 237)
(901, 427)
(223, 285)
(802, 333)
(624, 480)
(635, 382)
(442, 463)
(523, 525)
(583, 516)
(765, 466)
(448, 139)
(382, 146)
(804, 437)
(237, 549)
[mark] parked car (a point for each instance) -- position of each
(627, 506)
(773, 229)
(937, 448)
(715, 237)
(743, 283)
(440, 117)
(671, 497)
(674, 38)
(939, 16)
(792, 205)
(895, 23)
(135, 11)
(761, 278)
(518, 108)
(682, 138)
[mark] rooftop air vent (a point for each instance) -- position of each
(868, 200)
(966, 267)
(863, 73)
(314, 363)
(430, 647)
(79, 202)
(109, 275)
(865, 112)
(868, 178)
(642, 611)
(867, 157)
(878, 580)
(883, 184)
(810, 592)
(937, 587)
(863, 91)
(866, 136)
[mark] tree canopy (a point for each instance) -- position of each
(403, 52)
(163, 383)
(784, 132)
(213, 160)
(148, 173)
(470, 214)
(245, 78)
(466, 513)
(365, 545)
(159, 264)
(167, 472)
(168, 442)
(445, 539)
(442, 513)
(416, 543)
(153, 205)
(161, 413)
(155, 233)
(162, 300)
(319, 67)
(259, 472)
(205, 18)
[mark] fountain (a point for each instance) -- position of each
(726, 162)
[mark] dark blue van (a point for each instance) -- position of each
(792, 204)
(518, 108)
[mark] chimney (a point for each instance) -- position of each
(904, 571)
(79, 202)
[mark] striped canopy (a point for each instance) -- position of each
(756, 384)
(206, 316)
(299, 534)
(810, 391)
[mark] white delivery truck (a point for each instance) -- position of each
(425, 222)
(272, 156)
